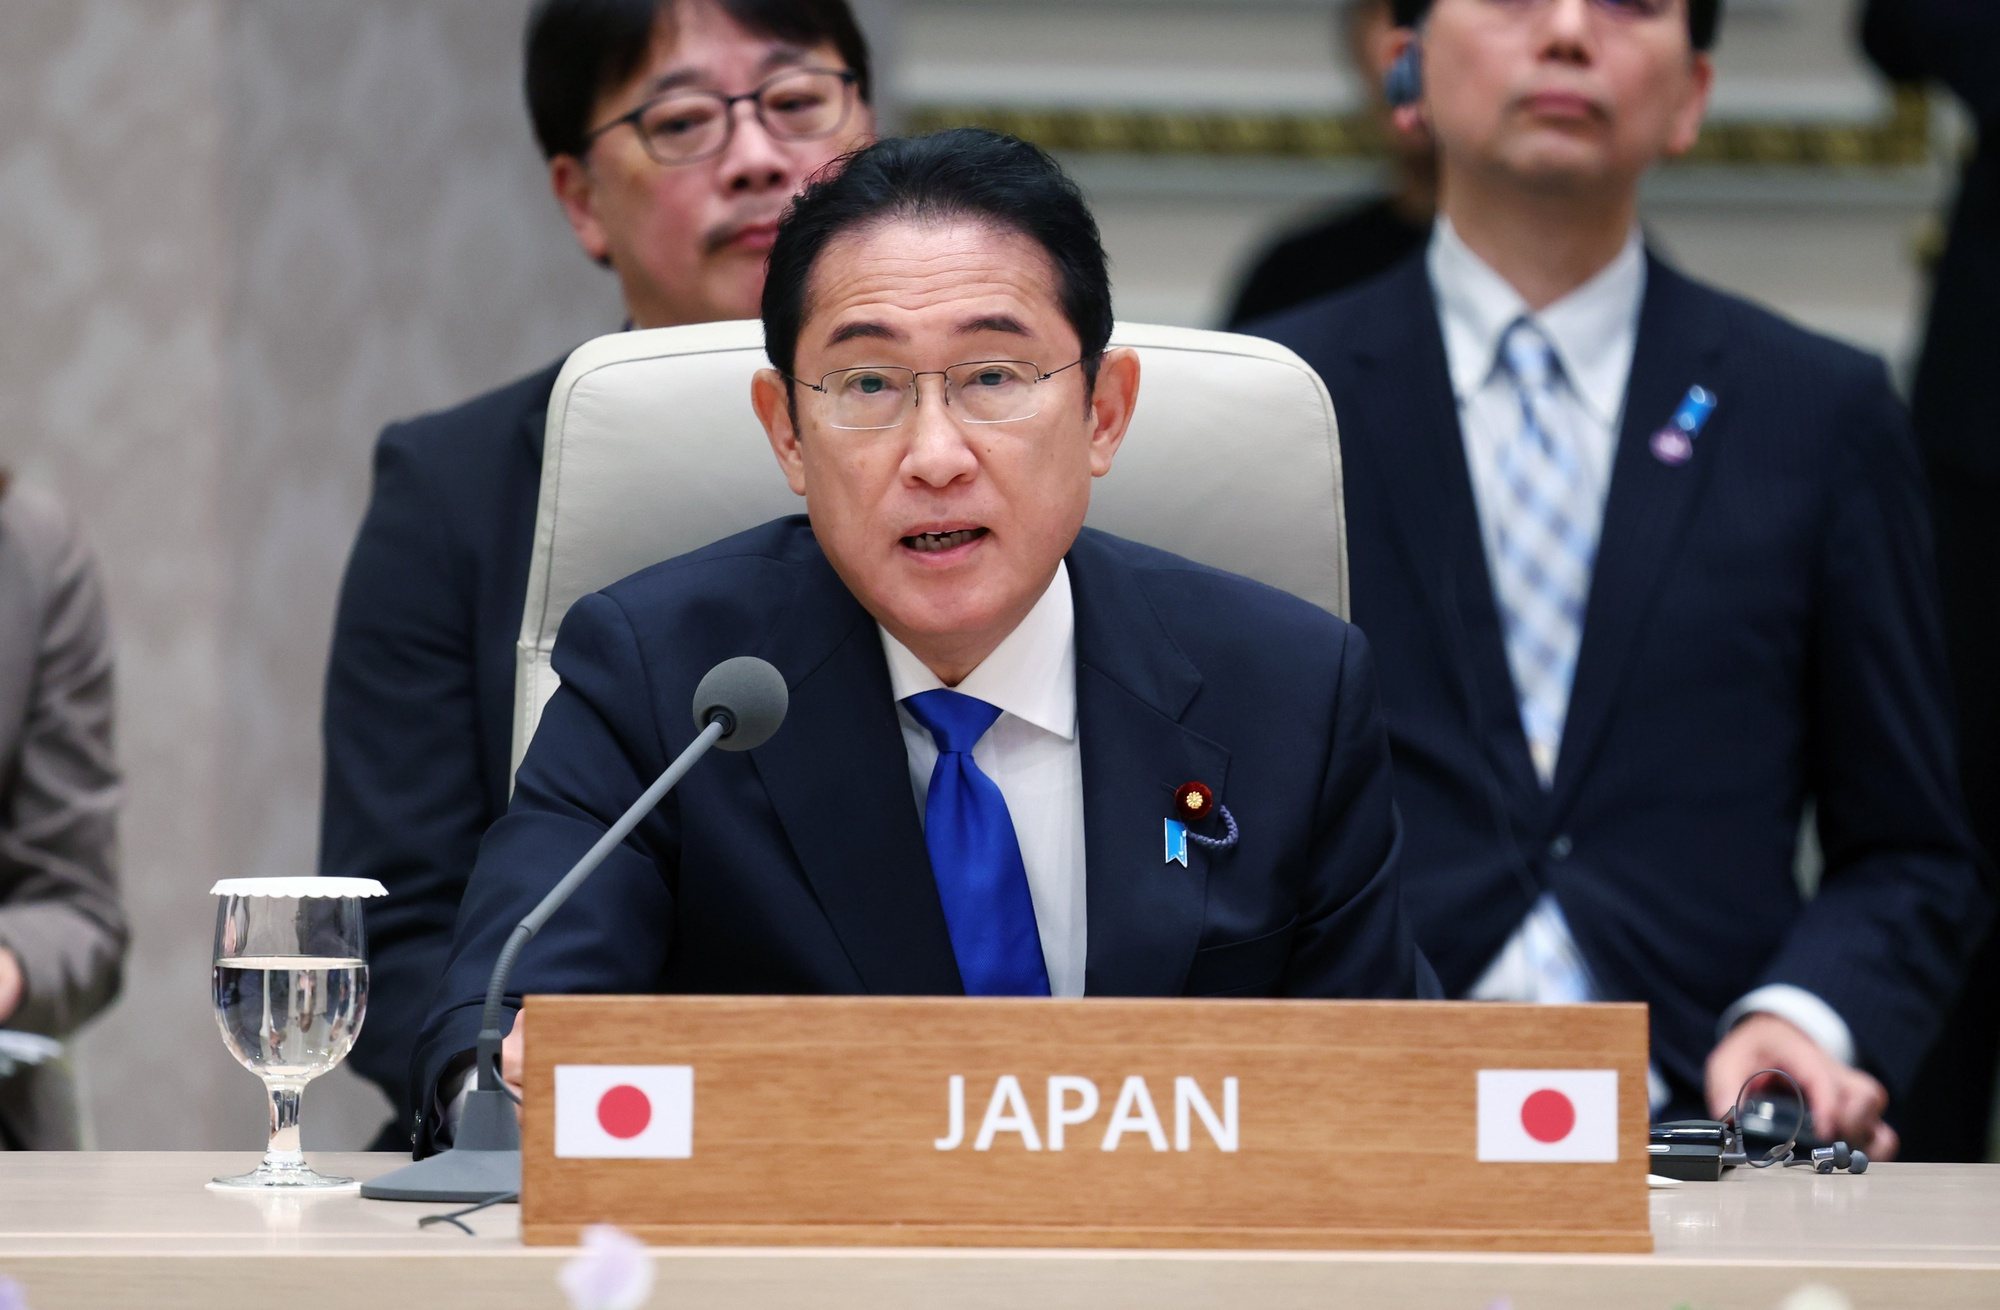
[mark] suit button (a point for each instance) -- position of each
(1560, 848)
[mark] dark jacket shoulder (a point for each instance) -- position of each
(1354, 315)
(1351, 321)
(1210, 609)
(739, 588)
(728, 597)
(464, 436)
(737, 566)
(1811, 359)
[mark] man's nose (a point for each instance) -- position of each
(939, 453)
(1567, 26)
(753, 160)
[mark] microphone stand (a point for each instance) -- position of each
(484, 1161)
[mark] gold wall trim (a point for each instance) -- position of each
(1900, 139)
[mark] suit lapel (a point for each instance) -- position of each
(1414, 445)
(838, 776)
(1647, 508)
(1144, 916)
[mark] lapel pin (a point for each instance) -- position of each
(1193, 803)
(1673, 445)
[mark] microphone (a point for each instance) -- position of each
(737, 705)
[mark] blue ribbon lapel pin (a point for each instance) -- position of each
(1673, 445)
(1194, 802)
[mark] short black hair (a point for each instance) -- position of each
(573, 51)
(1704, 18)
(964, 173)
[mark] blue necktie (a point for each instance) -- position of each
(974, 856)
(1547, 547)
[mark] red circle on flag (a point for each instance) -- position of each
(1548, 1116)
(624, 1111)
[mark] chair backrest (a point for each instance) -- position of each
(1232, 459)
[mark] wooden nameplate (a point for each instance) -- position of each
(1131, 1123)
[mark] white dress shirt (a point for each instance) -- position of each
(1032, 754)
(1594, 331)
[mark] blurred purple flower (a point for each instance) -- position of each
(11, 1295)
(614, 1272)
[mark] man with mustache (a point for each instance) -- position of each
(1649, 568)
(676, 131)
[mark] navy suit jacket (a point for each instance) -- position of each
(800, 867)
(1761, 631)
(420, 692)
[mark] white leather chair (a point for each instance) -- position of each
(652, 451)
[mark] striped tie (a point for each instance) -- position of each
(1546, 546)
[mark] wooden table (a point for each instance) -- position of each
(140, 1232)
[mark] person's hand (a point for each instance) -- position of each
(510, 1059)
(1846, 1103)
(13, 984)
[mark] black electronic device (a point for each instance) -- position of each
(1694, 1150)
(1688, 1161)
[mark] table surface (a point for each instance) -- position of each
(82, 1229)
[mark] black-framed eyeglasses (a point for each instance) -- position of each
(685, 127)
(882, 396)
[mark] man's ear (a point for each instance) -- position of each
(1409, 118)
(1111, 404)
(576, 192)
(1687, 122)
(771, 397)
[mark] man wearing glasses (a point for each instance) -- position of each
(676, 132)
(1650, 568)
(993, 710)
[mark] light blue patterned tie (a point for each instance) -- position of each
(1546, 546)
(975, 856)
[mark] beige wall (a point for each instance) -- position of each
(237, 236)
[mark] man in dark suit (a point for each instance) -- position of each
(992, 711)
(1955, 408)
(1649, 568)
(676, 131)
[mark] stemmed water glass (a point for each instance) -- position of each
(290, 987)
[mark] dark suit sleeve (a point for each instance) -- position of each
(1353, 939)
(403, 802)
(1956, 42)
(595, 751)
(1903, 895)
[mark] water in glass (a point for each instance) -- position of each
(290, 989)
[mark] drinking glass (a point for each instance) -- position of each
(290, 986)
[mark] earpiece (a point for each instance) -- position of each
(1404, 83)
(1828, 1159)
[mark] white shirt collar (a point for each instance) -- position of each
(1593, 329)
(1031, 674)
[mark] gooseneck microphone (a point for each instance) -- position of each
(738, 705)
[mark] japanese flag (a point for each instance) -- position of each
(624, 1111)
(1564, 1115)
